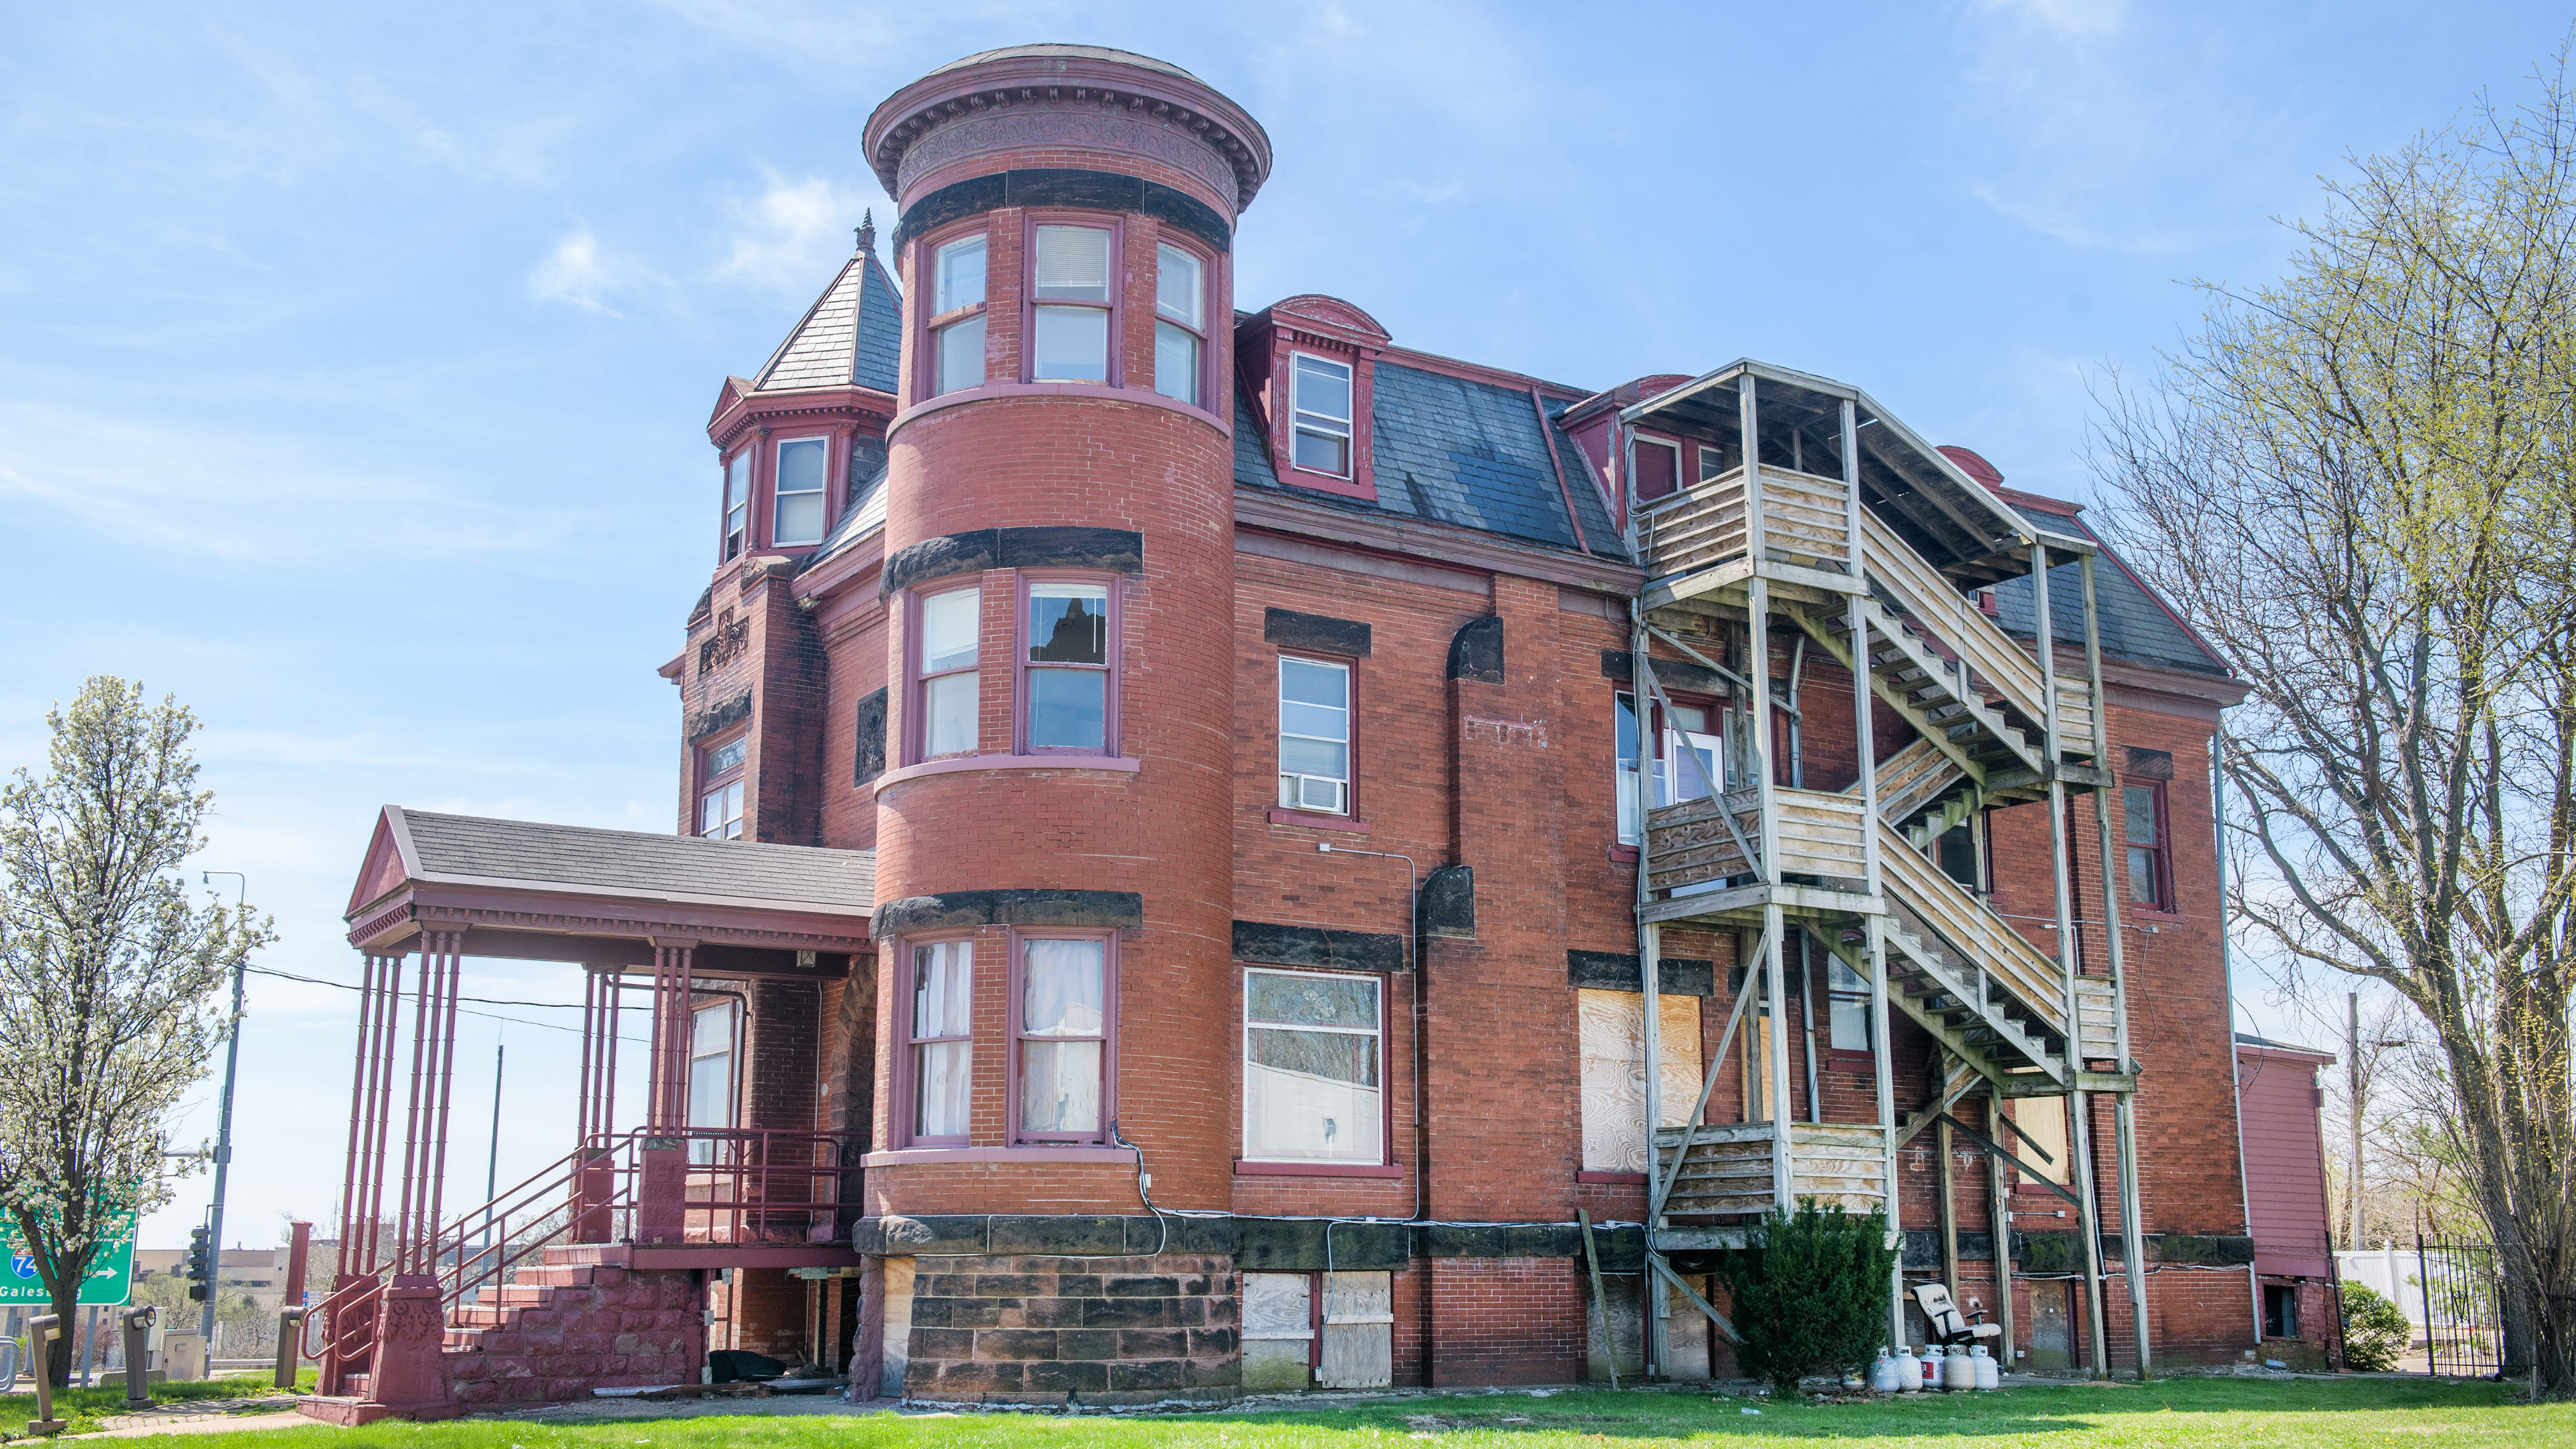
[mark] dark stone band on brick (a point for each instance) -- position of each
(1064, 186)
(871, 752)
(1476, 651)
(1114, 550)
(1793, 980)
(1624, 971)
(1671, 673)
(1449, 903)
(1256, 1244)
(958, 910)
(1319, 632)
(720, 717)
(1318, 947)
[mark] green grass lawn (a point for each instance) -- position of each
(2222, 1413)
(85, 1408)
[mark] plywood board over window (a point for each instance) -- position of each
(1278, 1330)
(1359, 1331)
(1611, 1046)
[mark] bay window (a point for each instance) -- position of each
(1180, 322)
(1311, 1061)
(1061, 1039)
(1069, 322)
(1320, 399)
(942, 1040)
(1068, 668)
(1314, 736)
(945, 700)
(720, 781)
(737, 510)
(957, 315)
(798, 516)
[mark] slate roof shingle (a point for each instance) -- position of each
(2135, 624)
(541, 856)
(852, 334)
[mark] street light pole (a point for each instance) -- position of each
(223, 1131)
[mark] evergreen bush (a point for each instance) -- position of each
(2375, 1331)
(1809, 1292)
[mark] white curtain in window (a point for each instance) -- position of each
(942, 1005)
(1061, 996)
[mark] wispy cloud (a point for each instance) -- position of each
(787, 237)
(578, 274)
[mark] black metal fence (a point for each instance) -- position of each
(2463, 1307)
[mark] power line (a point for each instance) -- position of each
(478, 1000)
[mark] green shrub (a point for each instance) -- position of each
(1810, 1293)
(2375, 1331)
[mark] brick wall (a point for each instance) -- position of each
(1506, 1320)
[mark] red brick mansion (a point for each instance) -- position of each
(1220, 853)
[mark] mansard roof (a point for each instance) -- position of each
(852, 335)
(1450, 449)
(2137, 624)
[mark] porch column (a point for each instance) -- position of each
(667, 1105)
(433, 1056)
(363, 1178)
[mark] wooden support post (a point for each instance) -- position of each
(1999, 1209)
(1949, 1204)
(1776, 1044)
(1650, 963)
(1600, 1300)
(2079, 1119)
(2133, 1241)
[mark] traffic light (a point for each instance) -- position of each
(201, 1266)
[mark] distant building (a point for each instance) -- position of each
(2278, 1096)
(259, 1272)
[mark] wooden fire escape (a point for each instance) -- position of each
(1839, 528)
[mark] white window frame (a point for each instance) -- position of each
(821, 492)
(1193, 326)
(958, 315)
(1243, 1045)
(1322, 425)
(1295, 800)
(919, 745)
(702, 1152)
(737, 503)
(728, 825)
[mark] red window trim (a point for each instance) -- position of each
(908, 1088)
(925, 360)
(1351, 727)
(708, 784)
(1114, 223)
(1681, 454)
(749, 452)
(1350, 481)
(1099, 1136)
(1115, 652)
(1721, 708)
(1257, 1166)
(1206, 330)
(778, 441)
(2163, 904)
(916, 714)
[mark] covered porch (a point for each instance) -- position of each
(720, 951)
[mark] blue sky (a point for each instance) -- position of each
(354, 363)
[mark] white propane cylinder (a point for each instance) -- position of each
(1882, 1374)
(1958, 1370)
(1909, 1371)
(1931, 1366)
(1990, 1374)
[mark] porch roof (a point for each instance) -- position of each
(527, 875)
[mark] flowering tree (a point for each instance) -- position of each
(108, 977)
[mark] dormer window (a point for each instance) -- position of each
(1180, 326)
(1069, 321)
(957, 316)
(720, 779)
(737, 516)
(1321, 398)
(801, 468)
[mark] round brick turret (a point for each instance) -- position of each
(1064, 425)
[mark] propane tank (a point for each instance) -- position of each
(1931, 1361)
(1990, 1374)
(1958, 1370)
(1882, 1373)
(1909, 1371)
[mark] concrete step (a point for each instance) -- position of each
(521, 1295)
(464, 1340)
(559, 1275)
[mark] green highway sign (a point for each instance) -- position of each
(111, 1269)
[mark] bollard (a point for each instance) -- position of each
(138, 1356)
(40, 1331)
(290, 1338)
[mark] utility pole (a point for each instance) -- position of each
(2352, 1083)
(223, 1128)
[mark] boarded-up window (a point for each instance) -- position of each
(2043, 1121)
(1659, 467)
(1611, 1045)
(1359, 1331)
(1278, 1331)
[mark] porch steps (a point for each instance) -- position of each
(568, 1324)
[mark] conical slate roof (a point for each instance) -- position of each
(852, 334)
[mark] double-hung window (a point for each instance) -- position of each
(947, 696)
(957, 316)
(2143, 830)
(711, 1090)
(1062, 1047)
(720, 780)
(1848, 1002)
(1069, 321)
(1311, 1055)
(802, 466)
(737, 516)
(942, 1040)
(1320, 398)
(1689, 759)
(1180, 322)
(1066, 676)
(1314, 736)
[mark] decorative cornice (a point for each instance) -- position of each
(1411, 538)
(1068, 79)
(740, 412)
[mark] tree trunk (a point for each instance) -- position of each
(58, 1354)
